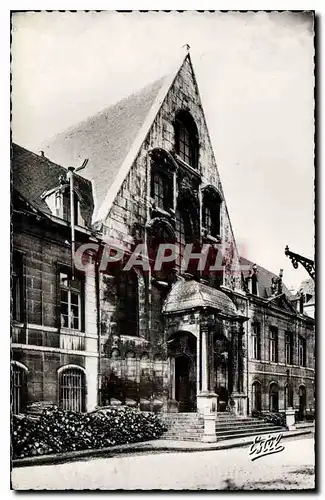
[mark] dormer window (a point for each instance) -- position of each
(58, 200)
(66, 207)
(186, 139)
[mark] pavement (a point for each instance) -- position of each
(162, 445)
(222, 469)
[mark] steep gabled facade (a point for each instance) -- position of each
(171, 339)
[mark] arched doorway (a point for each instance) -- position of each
(302, 402)
(256, 396)
(182, 353)
(274, 397)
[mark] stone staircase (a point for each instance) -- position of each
(190, 426)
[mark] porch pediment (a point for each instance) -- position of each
(186, 295)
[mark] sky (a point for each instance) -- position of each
(256, 81)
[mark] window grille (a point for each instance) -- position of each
(72, 390)
(18, 388)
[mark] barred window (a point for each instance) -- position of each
(70, 301)
(18, 388)
(72, 389)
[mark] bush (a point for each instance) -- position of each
(58, 431)
(274, 418)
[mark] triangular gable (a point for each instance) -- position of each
(111, 140)
(283, 302)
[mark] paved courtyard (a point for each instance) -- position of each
(293, 468)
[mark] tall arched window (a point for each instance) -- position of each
(274, 397)
(256, 396)
(211, 209)
(186, 138)
(72, 389)
(18, 387)
(127, 302)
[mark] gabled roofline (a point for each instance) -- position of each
(105, 207)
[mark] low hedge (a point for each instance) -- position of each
(274, 418)
(58, 431)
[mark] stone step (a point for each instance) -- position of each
(245, 423)
(238, 434)
(251, 430)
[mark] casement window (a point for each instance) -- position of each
(256, 341)
(162, 189)
(72, 389)
(18, 388)
(71, 301)
(186, 139)
(127, 307)
(17, 287)
(273, 344)
(301, 351)
(288, 347)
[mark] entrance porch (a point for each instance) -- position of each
(205, 344)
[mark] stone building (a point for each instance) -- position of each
(54, 341)
(169, 339)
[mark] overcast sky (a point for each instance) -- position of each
(255, 76)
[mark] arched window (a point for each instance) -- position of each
(18, 387)
(256, 396)
(162, 189)
(127, 302)
(72, 389)
(186, 139)
(288, 396)
(211, 213)
(274, 397)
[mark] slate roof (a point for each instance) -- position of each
(186, 295)
(33, 174)
(264, 277)
(105, 139)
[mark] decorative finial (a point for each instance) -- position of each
(187, 47)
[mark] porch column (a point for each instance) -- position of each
(204, 359)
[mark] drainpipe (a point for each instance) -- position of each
(98, 317)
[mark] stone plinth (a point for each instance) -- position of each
(207, 403)
(290, 418)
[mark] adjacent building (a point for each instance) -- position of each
(162, 339)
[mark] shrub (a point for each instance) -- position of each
(274, 418)
(58, 431)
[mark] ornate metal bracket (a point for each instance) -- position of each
(296, 259)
